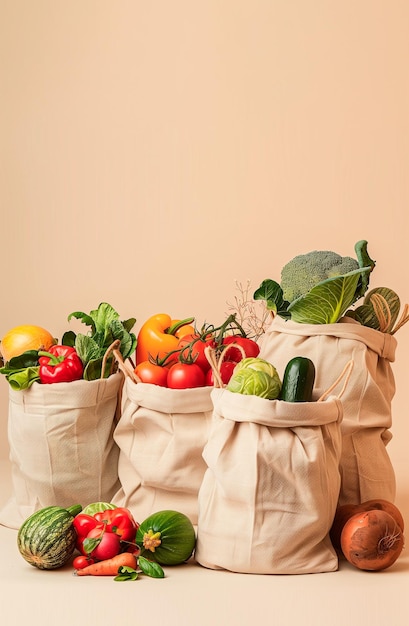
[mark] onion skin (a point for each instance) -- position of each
(342, 515)
(345, 511)
(372, 540)
(384, 505)
(23, 338)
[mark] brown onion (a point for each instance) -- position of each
(372, 540)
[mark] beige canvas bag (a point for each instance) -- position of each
(269, 494)
(62, 450)
(366, 469)
(161, 434)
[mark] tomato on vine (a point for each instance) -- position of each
(192, 347)
(153, 373)
(185, 376)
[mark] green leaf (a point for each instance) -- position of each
(126, 573)
(154, 570)
(90, 543)
(128, 340)
(103, 316)
(129, 324)
(27, 359)
(92, 370)
(68, 339)
(83, 317)
(326, 302)
(24, 378)
(366, 264)
(271, 292)
(87, 348)
(365, 315)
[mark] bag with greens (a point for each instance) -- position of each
(270, 490)
(61, 444)
(60, 435)
(161, 434)
(366, 468)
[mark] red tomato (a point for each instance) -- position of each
(152, 373)
(226, 371)
(193, 347)
(185, 376)
(109, 546)
(250, 347)
(82, 561)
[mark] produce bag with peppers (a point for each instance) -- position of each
(165, 416)
(63, 407)
(270, 490)
(325, 312)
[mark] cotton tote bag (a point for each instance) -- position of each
(161, 434)
(269, 494)
(366, 469)
(62, 450)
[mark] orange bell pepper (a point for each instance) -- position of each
(160, 335)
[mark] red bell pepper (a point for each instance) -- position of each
(119, 521)
(83, 524)
(60, 364)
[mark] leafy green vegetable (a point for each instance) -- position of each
(150, 568)
(271, 292)
(304, 271)
(326, 302)
(318, 287)
(126, 573)
(255, 377)
(105, 327)
(96, 507)
(22, 371)
(380, 310)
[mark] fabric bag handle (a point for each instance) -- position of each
(216, 362)
(345, 372)
(123, 366)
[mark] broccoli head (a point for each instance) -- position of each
(305, 271)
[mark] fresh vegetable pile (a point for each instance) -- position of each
(107, 539)
(31, 354)
(321, 286)
(171, 353)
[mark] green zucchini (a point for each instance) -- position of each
(298, 380)
(167, 537)
(47, 538)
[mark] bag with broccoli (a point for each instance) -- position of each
(271, 486)
(313, 318)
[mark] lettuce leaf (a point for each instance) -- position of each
(327, 302)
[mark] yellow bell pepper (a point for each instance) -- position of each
(160, 335)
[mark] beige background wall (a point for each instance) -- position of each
(152, 153)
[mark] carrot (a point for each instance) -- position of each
(109, 567)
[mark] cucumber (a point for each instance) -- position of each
(298, 380)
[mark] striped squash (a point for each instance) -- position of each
(47, 538)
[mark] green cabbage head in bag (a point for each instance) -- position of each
(255, 377)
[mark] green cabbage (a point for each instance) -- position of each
(255, 377)
(98, 507)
